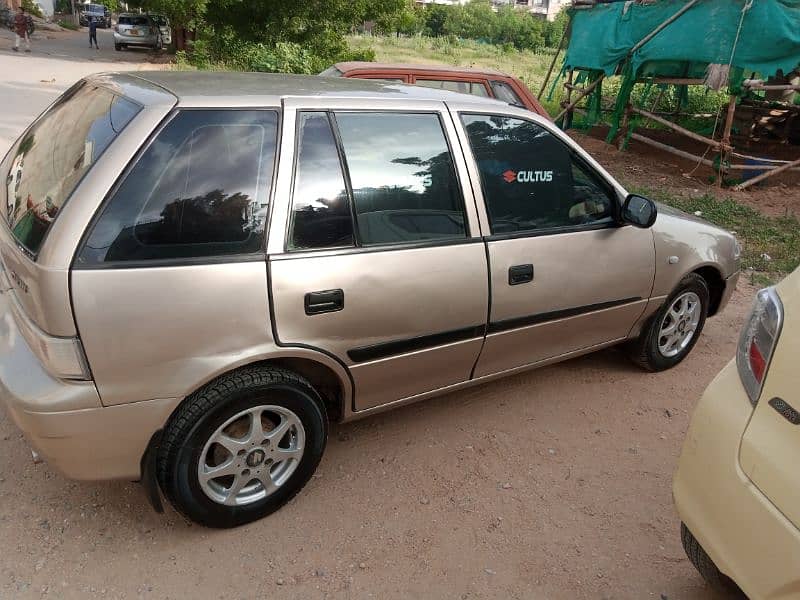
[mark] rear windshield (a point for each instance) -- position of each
(331, 72)
(50, 159)
(132, 20)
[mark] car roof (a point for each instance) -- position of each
(355, 65)
(209, 88)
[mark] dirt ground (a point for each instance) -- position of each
(642, 165)
(550, 484)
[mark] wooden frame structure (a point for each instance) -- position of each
(724, 150)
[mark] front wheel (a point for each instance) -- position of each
(117, 47)
(672, 333)
(243, 446)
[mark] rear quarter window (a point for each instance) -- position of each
(200, 189)
(50, 159)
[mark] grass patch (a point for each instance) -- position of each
(68, 25)
(771, 244)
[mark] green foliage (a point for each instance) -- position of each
(477, 20)
(31, 7)
(68, 25)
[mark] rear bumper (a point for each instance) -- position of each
(134, 40)
(65, 422)
(739, 528)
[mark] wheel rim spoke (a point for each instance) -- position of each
(229, 467)
(238, 483)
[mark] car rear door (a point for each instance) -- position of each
(375, 255)
(771, 442)
(565, 276)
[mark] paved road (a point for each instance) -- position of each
(29, 82)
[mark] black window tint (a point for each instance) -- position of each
(200, 189)
(49, 161)
(530, 179)
(503, 91)
(403, 179)
(321, 216)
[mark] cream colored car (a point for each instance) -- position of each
(204, 268)
(737, 487)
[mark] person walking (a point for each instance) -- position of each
(21, 30)
(93, 33)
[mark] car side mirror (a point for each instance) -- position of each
(639, 211)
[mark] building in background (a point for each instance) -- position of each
(543, 8)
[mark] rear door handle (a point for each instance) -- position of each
(520, 274)
(324, 302)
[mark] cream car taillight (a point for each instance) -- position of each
(62, 357)
(757, 341)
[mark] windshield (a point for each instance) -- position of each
(52, 157)
(94, 8)
(160, 20)
(331, 72)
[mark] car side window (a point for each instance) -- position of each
(200, 189)
(531, 180)
(464, 87)
(401, 182)
(504, 92)
(321, 216)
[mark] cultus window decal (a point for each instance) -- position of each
(527, 176)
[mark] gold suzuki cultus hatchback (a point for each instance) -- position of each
(200, 270)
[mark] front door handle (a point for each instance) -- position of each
(520, 274)
(324, 302)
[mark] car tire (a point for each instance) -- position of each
(717, 580)
(263, 480)
(653, 350)
(117, 47)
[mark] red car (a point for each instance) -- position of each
(478, 82)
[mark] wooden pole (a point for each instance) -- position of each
(691, 134)
(671, 150)
(564, 37)
(725, 148)
(623, 130)
(763, 176)
(565, 124)
(568, 108)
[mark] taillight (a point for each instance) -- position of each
(63, 357)
(757, 342)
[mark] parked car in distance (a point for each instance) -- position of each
(737, 485)
(204, 268)
(142, 31)
(98, 12)
(484, 83)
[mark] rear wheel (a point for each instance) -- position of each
(672, 333)
(243, 446)
(706, 567)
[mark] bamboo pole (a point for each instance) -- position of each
(586, 91)
(564, 37)
(566, 123)
(678, 80)
(658, 29)
(690, 134)
(694, 158)
(763, 176)
(671, 150)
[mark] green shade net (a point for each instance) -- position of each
(769, 40)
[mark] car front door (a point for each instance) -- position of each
(375, 255)
(566, 277)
